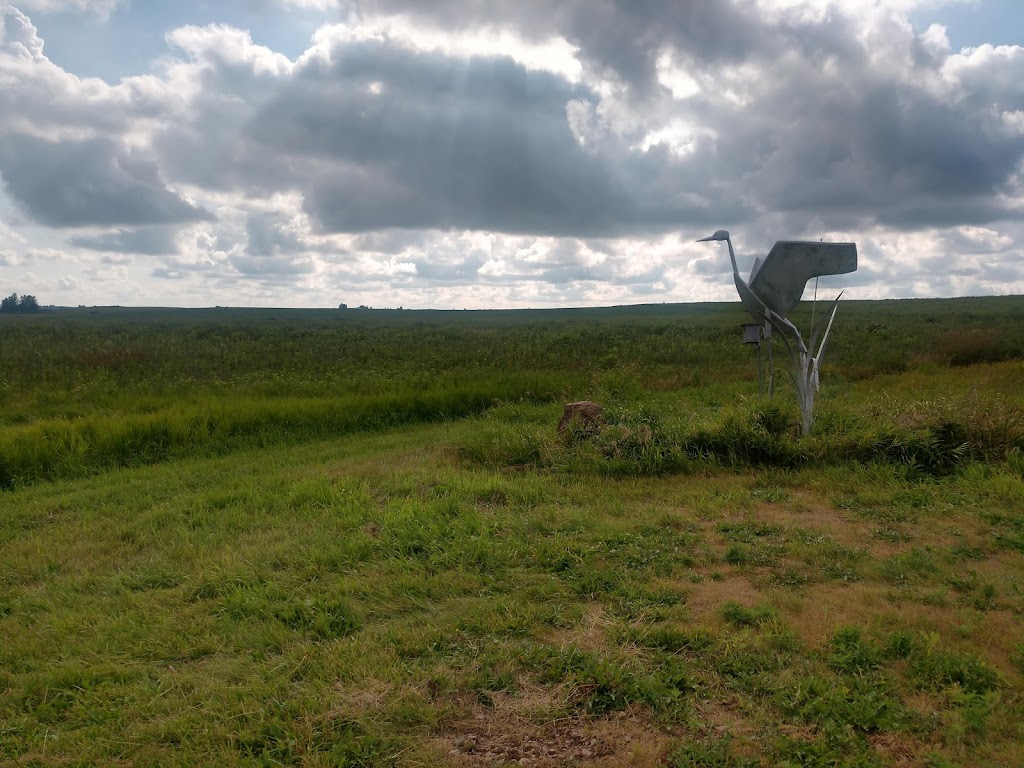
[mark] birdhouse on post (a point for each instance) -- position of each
(752, 333)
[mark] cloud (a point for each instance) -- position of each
(275, 245)
(9, 236)
(787, 113)
(17, 35)
(152, 241)
(528, 152)
(612, 36)
(880, 151)
(101, 8)
(377, 136)
(73, 152)
(41, 99)
(463, 144)
(89, 182)
(811, 106)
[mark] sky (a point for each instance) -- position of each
(503, 153)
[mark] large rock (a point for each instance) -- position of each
(586, 413)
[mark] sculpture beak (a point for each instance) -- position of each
(705, 239)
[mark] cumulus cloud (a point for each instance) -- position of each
(810, 114)
(530, 152)
(439, 143)
(41, 99)
(66, 153)
(379, 136)
(90, 182)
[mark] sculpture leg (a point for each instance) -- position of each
(771, 362)
(760, 373)
(805, 391)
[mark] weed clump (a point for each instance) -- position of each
(851, 653)
(739, 616)
(655, 437)
(600, 686)
(322, 618)
(935, 669)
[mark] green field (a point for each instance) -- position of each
(353, 538)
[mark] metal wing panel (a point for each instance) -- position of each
(780, 280)
(757, 265)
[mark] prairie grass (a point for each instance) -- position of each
(245, 538)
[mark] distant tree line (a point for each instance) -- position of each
(16, 303)
(343, 305)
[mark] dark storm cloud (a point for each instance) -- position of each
(93, 182)
(154, 241)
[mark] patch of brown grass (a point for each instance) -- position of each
(818, 610)
(705, 599)
(590, 634)
(899, 749)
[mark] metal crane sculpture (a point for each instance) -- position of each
(775, 287)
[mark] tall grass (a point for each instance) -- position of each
(54, 448)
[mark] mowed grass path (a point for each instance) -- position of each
(384, 599)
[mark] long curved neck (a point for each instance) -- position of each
(732, 258)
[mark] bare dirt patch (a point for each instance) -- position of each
(502, 736)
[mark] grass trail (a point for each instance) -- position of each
(65, 448)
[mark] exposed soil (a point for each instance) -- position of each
(514, 732)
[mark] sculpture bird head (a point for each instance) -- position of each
(721, 234)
